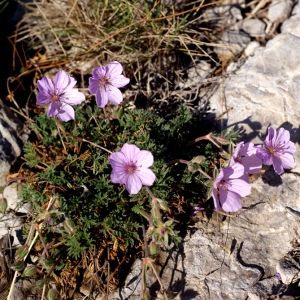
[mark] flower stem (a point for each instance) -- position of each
(84, 140)
(56, 122)
(183, 161)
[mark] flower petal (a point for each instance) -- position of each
(66, 113)
(144, 159)
(234, 171)
(287, 161)
(118, 175)
(114, 95)
(73, 97)
(130, 152)
(54, 108)
(101, 97)
(146, 176)
(113, 69)
(239, 186)
(277, 164)
(133, 184)
(216, 199)
(63, 81)
(265, 156)
(119, 81)
(93, 85)
(117, 159)
(230, 201)
(43, 98)
(45, 85)
(252, 164)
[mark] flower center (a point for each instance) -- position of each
(56, 96)
(277, 150)
(131, 168)
(103, 81)
(223, 184)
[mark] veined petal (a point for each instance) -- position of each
(93, 85)
(230, 201)
(133, 184)
(252, 164)
(218, 178)
(66, 113)
(114, 95)
(119, 81)
(54, 108)
(287, 161)
(290, 148)
(99, 73)
(216, 199)
(118, 159)
(282, 136)
(101, 97)
(240, 187)
(130, 152)
(43, 98)
(277, 164)
(265, 156)
(63, 81)
(118, 176)
(146, 176)
(45, 85)
(234, 171)
(73, 97)
(144, 159)
(113, 69)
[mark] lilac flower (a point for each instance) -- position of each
(61, 95)
(277, 149)
(196, 209)
(231, 184)
(130, 166)
(278, 276)
(105, 83)
(245, 154)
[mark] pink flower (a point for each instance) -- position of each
(231, 184)
(105, 83)
(130, 166)
(245, 154)
(277, 150)
(61, 95)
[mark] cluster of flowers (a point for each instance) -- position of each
(232, 183)
(131, 165)
(61, 95)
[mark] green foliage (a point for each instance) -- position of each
(81, 177)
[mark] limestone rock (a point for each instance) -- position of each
(254, 27)
(12, 139)
(232, 43)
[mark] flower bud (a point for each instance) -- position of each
(18, 265)
(69, 226)
(49, 262)
(52, 293)
(162, 204)
(198, 159)
(192, 167)
(21, 252)
(154, 248)
(215, 173)
(29, 271)
(3, 205)
(221, 140)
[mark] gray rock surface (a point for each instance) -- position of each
(254, 27)
(13, 135)
(232, 43)
(223, 256)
